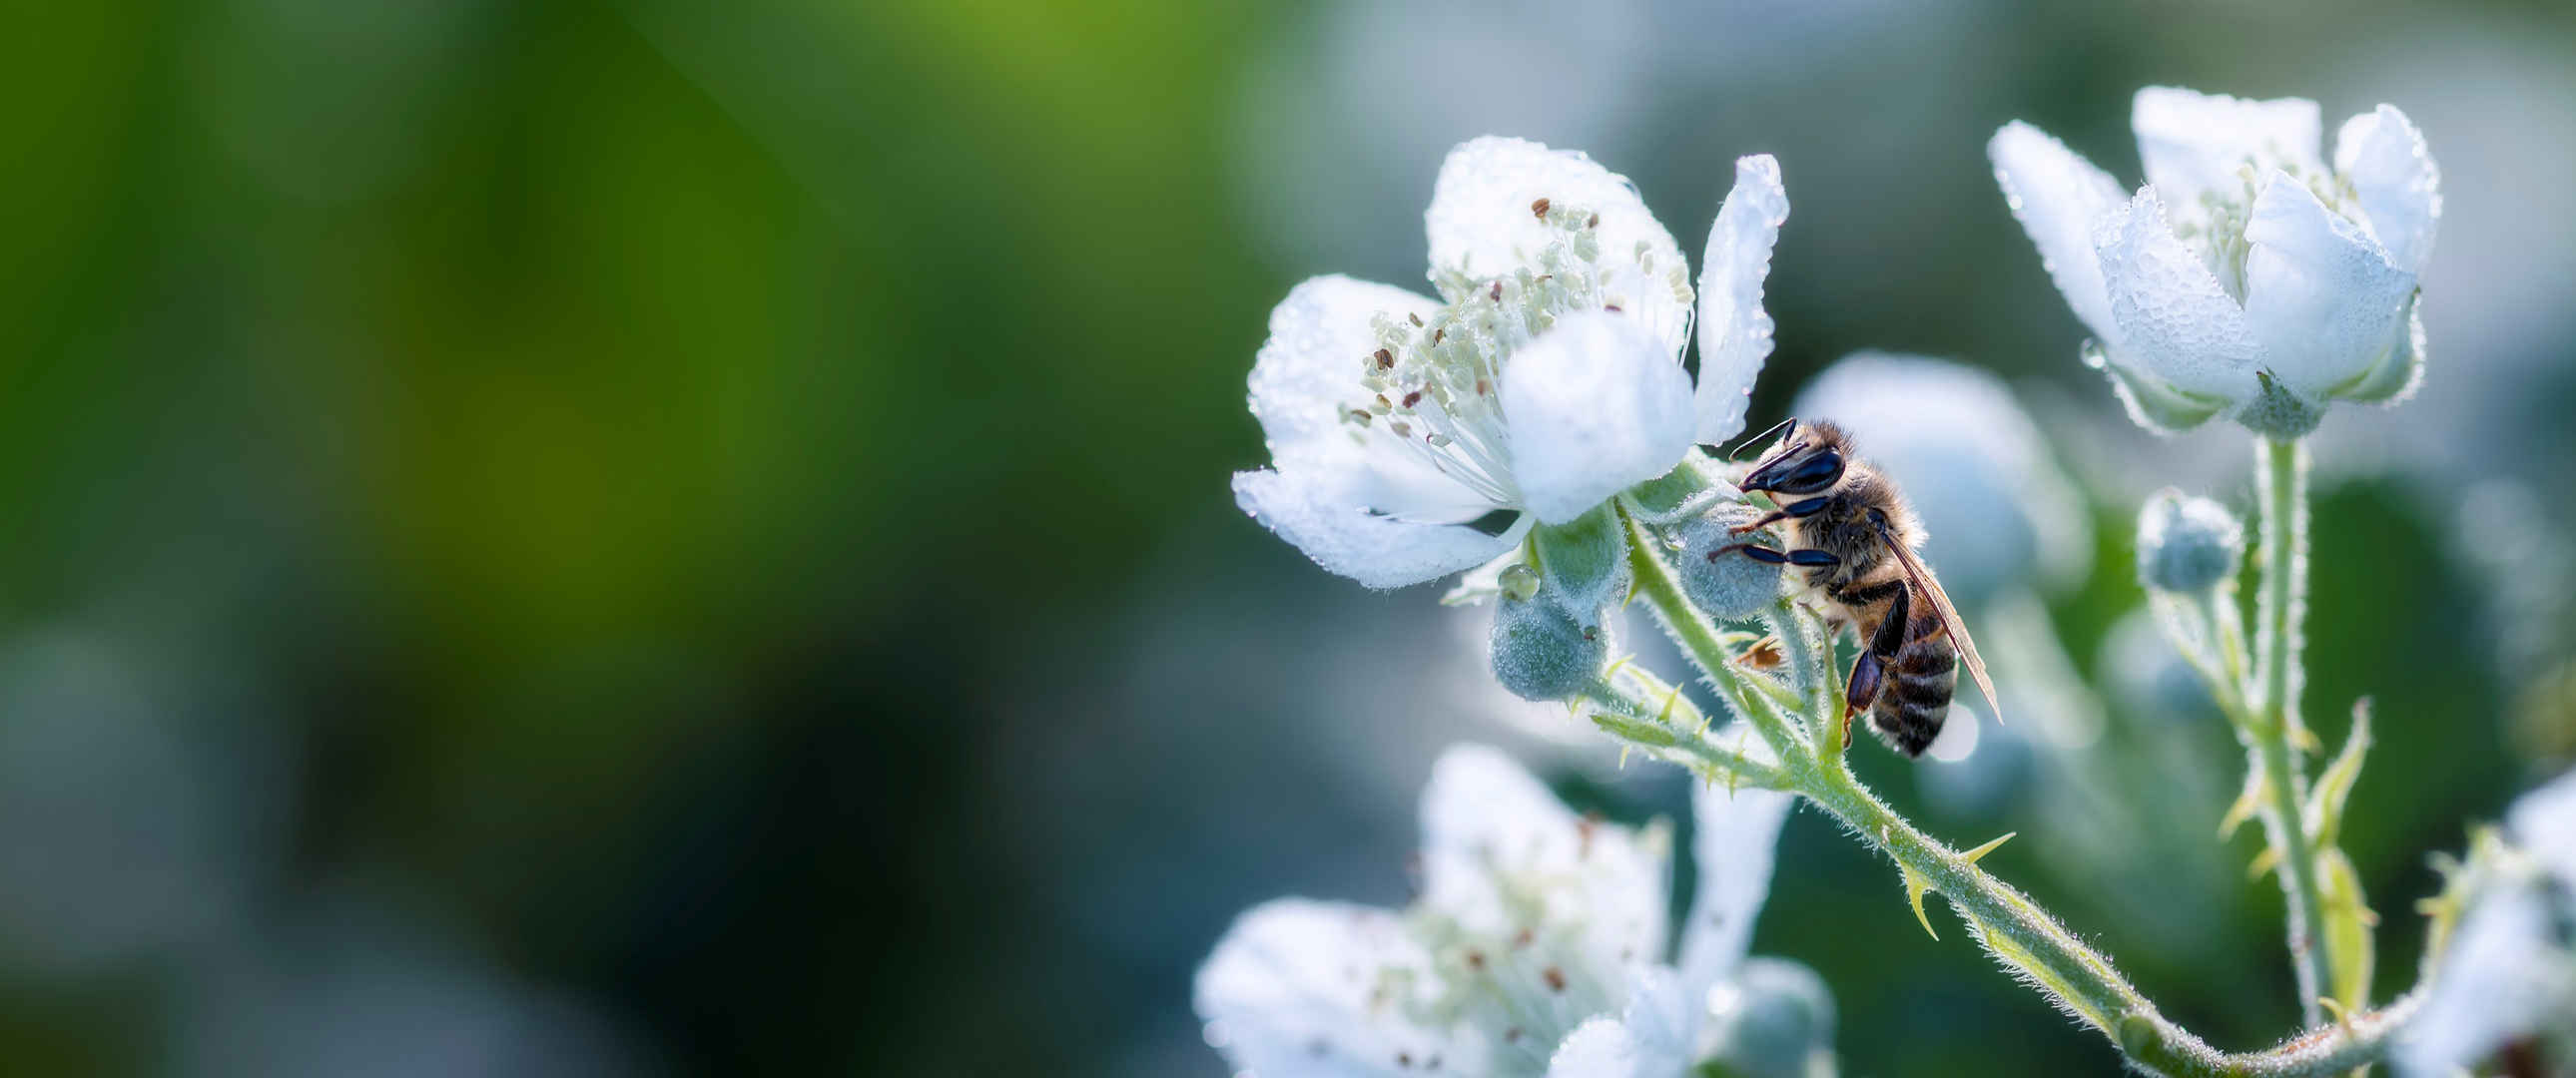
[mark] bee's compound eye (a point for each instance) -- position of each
(1812, 474)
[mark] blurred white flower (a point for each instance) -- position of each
(1996, 508)
(2508, 974)
(2245, 277)
(1537, 946)
(1412, 438)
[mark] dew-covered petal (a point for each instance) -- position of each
(2175, 322)
(1653, 1037)
(2324, 301)
(1325, 509)
(2384, 157)
(1734, 331)
(1599, 1048)
(2396, 377)
(1733, 849)
(2058, 195)
(1294, 989)
(1594, 406)
(2196, 144)
(1482, 224)
(1493, 836)
(2152, 402)
(1307, 375)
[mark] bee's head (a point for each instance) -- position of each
(1808, 460)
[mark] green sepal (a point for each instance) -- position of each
(2278, 412)
(1584, 560)
(1685, 491)
(2153, 403)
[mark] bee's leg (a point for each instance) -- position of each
(1808, 558)
(1807, 508)
(1870, 668)
(1757, 553)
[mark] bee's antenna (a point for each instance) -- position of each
(1790, 423)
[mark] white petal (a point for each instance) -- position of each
(1594, 405)
(1733, 849)
(1481, 224)
(1734, 331)
(1654, 1037)
(1325, 509)
(2058, 196)
(2194, 144)
(1293, 988)
(1600, 1048)
(2319, 293)
(2384, 158)
(2175, 322)
(1308, 373)
(2544, 823)
(2502, 977)
(1484, 819)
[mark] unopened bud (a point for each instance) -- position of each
(1722, 581)
(1545, 650)
(2187, 544)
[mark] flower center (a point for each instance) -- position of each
(2219, 234)
(1434, 385)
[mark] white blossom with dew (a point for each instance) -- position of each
(1539, 944)
(2508, 972)
(2246, 278)
(1411, 438)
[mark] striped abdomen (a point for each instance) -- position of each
(1915, 700)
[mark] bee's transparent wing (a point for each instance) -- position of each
(1929, 587)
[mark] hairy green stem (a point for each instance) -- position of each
(2014, 929)
(1698, 637)
(2281, 469)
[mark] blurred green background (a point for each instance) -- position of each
(668, 538)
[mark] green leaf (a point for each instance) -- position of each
(2347, 929)
(2247, 804)
(2324, 810)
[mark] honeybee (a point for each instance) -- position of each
(1852, 531)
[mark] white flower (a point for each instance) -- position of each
(1537, 946)
(2246, 277)
(2508, 974)
(1411, 438)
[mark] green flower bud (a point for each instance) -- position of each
(2187, 544)
(2276, 412)
(1544, 650)
(1726, 583)
(1773, 1019)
